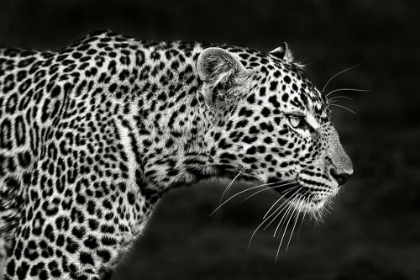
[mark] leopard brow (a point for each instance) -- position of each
(298, 114)
(310, 119)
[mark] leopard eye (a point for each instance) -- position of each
(295, 121)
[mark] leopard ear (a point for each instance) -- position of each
(219, 68)
(283, 52)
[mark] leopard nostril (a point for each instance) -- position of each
(341, 177)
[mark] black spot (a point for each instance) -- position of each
(251, 99)
(22, 270)
(107, 229)
(282, 141)
(267, 126)
(104, 254)
(112, 88)
(24, 159)
(12, 183)
(273, 100)
(249, 140)
(11, 104)
(131, 198)
(224, 145)
(261, 149)
(91, 242)
(53, 266)
(273, 85)
(6, 134)
(217, 136)
(241, 123)
(227, 156)
(123, 75)
(254, 130)
(86, 258)
(109, 241)
(79, 232)
(284, 164)
(49, 233)
(265, 112)
(262, 91)
(249, 159)
(268, 140)
(10, 268)
(30, 254)
(251, 151)
(72, 246)
(80, 199)
(107, 204)
(91, 207)
(60, 240)
(55, 92)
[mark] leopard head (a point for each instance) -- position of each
(271, 125)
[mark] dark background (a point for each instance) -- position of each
(373, 231)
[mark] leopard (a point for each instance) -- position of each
(94, 134)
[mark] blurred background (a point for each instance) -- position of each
(373, 230)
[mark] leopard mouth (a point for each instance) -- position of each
(302, 198)
(289, 190)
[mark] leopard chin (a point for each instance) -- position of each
(312, 206)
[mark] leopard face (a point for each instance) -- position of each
(273, 126)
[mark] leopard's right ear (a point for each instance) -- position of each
(222, 74)
(283, 52)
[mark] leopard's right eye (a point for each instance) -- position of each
(295, 122)
(299, 123)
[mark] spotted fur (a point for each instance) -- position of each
(92, 135)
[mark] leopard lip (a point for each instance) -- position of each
(293, 190)
(286, 189)
(287, 192)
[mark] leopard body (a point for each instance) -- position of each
(92, 135)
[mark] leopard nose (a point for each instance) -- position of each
(341, 177)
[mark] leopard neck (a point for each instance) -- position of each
(166, 119)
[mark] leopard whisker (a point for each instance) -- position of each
(334, 102)
(343, 107)
(282, 221)
(284, 205)
(342, 71)
(340, 97)
(286, 201)
(318, 217)
(284, 233)
(290, 207)
(295, 215)
(281, 197)
(347, 89)
(239, 193)
(272, 206)
(269, 188)
(301, 222)
(305, 201)
(266, 218)
(230, 184)
(337, 100)
(293, 231)
(296, 218)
